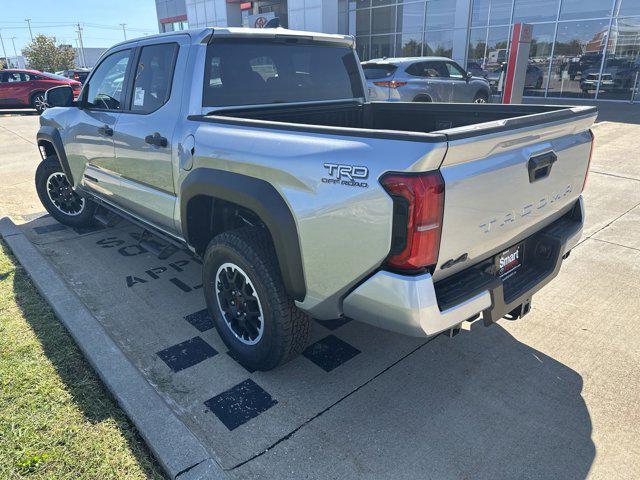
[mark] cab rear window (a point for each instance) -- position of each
(375, 72)
(246, 72)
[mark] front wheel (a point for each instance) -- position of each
(57, 196)
(481, 97)
(246, 297)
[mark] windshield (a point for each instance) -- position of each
(246, 72)
(374, 72)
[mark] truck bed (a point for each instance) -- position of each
(407, 117)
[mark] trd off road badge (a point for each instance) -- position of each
(349, 175)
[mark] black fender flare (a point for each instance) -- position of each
(265, 201)
(51, 135)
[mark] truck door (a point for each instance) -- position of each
(144, 134)
(88, 140)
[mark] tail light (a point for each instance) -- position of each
(390, 84)
(418, 210)
(586, 175)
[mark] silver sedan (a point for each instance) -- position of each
(423, 79)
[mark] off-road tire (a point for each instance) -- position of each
(286, 328)
(47, 167)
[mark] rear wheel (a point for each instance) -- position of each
(38, 102)
(422, 98)
(245, 295)
(57, 196)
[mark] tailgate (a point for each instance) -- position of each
(507, 179)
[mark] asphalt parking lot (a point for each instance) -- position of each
(553, 395)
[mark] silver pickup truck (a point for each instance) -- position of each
(260, 152)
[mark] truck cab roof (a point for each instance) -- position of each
(204, 35)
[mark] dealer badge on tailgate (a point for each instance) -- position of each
(509, 261)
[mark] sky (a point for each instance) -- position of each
(99, 19)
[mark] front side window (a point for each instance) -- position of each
(245, 72)
(455, 71)
(153, 76)
(106, 87)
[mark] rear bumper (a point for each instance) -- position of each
(416, 306)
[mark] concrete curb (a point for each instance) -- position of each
(176, 448)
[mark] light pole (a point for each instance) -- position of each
(84, 62)
(15, 52)
(123, 30)
(28, 20)
(4, 51)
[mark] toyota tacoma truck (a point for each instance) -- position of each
(260, 152)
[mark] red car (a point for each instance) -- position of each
(25, 88)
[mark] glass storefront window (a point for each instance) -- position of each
(410, 18)
(362, 47)
(438, 43)
(620, 75)
(383, 20)
(577, 57)
(574, 9)
(490, 12)
(363, 22)
(409, 45)
(440, 14)
(627, 7)
(539, 59)
(529, 11)
(382, 46)
(487, 53)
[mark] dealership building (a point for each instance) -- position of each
(580, 48)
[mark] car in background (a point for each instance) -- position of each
(77, 74)
(21, 88)
(534, 77)
(423, 79)
(617, 78)
(477, 70)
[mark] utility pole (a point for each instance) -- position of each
(5, 52)
(28, 20)
(123, 30)
(15, 52)
(84, 62)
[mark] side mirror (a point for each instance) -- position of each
(61, 96)
(468, 76)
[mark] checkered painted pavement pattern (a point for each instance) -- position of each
(155, 310)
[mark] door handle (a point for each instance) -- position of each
(540, 166)
(105, 130)
(156, 139)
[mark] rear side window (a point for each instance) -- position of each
(105, 91)
(436, 69)
(245, 72)
(375, 72)
(153, 76)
